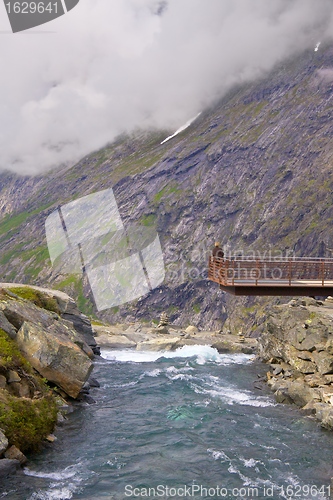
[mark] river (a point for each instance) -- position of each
(188, 424)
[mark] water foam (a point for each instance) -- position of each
(63, 485)
(231, 396)
(202, 353)
(65, 474)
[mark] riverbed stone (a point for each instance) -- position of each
(300, 393)
(8, 467)
(13, 453)
(55, 356)
(115, 342)
(159, 344)
(192, 330)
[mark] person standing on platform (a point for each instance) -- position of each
(217, 251)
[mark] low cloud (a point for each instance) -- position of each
(110, 66)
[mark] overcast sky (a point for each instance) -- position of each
(70, 86)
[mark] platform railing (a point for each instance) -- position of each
(286, 271)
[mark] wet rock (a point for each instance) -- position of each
(8, 467)
(93, 382)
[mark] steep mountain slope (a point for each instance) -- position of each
(255, 172)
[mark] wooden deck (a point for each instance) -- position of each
(290, 276)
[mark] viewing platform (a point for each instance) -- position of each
(275, 276)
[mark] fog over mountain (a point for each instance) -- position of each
(109, 66)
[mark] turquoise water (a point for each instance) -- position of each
(188, 424)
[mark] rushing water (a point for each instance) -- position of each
(187, 424)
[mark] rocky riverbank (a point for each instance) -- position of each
(296, 340)
(169, 338)
(46, 352)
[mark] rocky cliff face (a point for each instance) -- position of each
(41, 347)
(254, 172)
(297, 342)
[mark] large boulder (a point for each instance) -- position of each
(159, 344)
(301, 393)
(55, 356)
(115, 341)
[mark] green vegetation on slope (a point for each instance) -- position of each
(25, 422)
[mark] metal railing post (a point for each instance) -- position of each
(257, 271)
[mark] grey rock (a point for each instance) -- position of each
(116, 341)
(93, 382)
(159, 344)
(311, 342)
(324, 362)
(8, 467)
(282, 396)
(13, 377)
(300, 393)
(6, 326)
(13, 453)
(3, 443)
(277, 370)
(83, 326)
(55, 356)
(324, 414)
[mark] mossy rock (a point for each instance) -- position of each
(37, 297)
(27, 422)
(10, 355)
